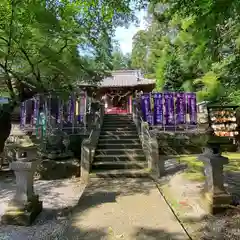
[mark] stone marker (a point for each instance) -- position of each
(216, 196)
(25, 205)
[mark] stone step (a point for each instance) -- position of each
(119, 129)
(118, 137)
(120, 151)
(118, 126)
(120, 145)
(119, 141)
(118, 120)
(114, 133)
(119, 165)
(118, 116)
(121, 173)
(122, 157)
(116, 123)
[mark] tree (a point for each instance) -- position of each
(140, 50)
(120, 60)
(192, 45)
(47, 45)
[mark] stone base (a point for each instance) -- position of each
(217, 202)
(22, 216)
(56, 169)
(54, 156)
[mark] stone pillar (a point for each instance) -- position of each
(216, 197)
(154, 162)
(85, 160)
(25, 205)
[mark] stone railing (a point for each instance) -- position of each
(149, 143)
(89, 145)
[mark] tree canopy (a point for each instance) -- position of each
(50, 44)
(119, 59)
(192, 46)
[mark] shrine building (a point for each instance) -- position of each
(118, 90)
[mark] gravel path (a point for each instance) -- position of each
(130, 209)
(58, 197)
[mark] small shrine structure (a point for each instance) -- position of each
(118, 90)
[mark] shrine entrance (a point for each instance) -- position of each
(117, 91)
(118, 102)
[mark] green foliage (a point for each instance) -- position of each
(139, 52)
(49, 45)
(173, 76)
(160, 67)
(120, 60)
(192, 46)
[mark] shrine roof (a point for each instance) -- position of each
(124, 78)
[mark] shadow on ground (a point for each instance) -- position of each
(141, 185)
(140, 233)
(232, 179)
(58, 196)
(154, 234)
(172, 167)
(57, 221)
(60, 223)
(222, 226)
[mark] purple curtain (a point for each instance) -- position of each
(158, 108)
(146, 107)
(82, 106)
(69, 109)
(60, 111)
(192, 108)
(169, 108)
(72, 108)
(180, 108)
(36, 109)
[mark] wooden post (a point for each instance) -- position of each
(130, 104)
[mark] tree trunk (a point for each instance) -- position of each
(5, 128)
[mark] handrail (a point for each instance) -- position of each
(143, 122)
(89, 146)
(90, 135)
(149, 143)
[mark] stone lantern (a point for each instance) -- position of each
(216, 197)
(25, 205)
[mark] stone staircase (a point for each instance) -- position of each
(119, 152)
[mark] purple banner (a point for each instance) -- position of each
(82, 106)
(23, 114)
(146, 108)
(36, 109)
(46, 109)
(60, 111)
(69, 109)
(169, 108)
(192, 108)
(158, 108)
(73, 102)
(180, 108)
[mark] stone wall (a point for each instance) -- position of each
(63, 168)
(171, 143)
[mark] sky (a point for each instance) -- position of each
(124, 36)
